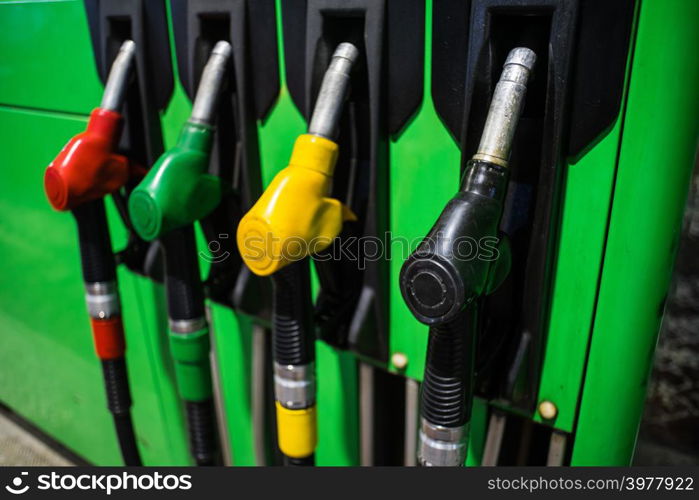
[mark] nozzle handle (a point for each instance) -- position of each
(117, 82)
(437, 281)
(333, 92)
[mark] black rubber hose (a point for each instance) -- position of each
(308, 461)
(96, 254)
(293, 339)
(447, 389)
(201, 421)
(185, 300)
(185, 292)
(99, 266)
(119, 403)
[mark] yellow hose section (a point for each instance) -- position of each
(296, 431)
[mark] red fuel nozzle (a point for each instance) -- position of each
(87, 167)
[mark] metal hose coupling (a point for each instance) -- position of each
(295, 385)
(102, 299)
(442, 446)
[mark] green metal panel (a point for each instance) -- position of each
(157, 413)
(50, 374)
(478, 431)
(585, 214)
(656, 157)
(425, 169)
(338, 419)
(611, 272)
(233, 342)
(584, 225)
(45, 47)
(284, 123)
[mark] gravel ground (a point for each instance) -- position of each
(670, 428)
(21, 446)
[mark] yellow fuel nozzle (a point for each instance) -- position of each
(295, 216)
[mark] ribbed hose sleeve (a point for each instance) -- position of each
(447, 389)
(293, 337)
(201, 420)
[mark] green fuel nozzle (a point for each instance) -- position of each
(178, 190)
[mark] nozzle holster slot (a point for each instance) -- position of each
(514, 318)
(249, 26)
(111, 22)
(351, 305)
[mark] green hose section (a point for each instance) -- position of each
(190, 351)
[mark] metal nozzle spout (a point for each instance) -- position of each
(333, 92)
(506, 107)
(204, 107)
(117, 81)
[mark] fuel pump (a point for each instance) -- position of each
(294, 218)
(176, 192)
(442, 286)
(84, 172)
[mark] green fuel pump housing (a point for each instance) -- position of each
(177, 190)
(631, 107)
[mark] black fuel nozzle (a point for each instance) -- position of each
(448, 272)
(445, 273)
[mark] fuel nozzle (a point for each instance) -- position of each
(295, 217)
(438, 280)
(178, 190)
(87, 168)
(443, 278)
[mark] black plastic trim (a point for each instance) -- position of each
(145, 22)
